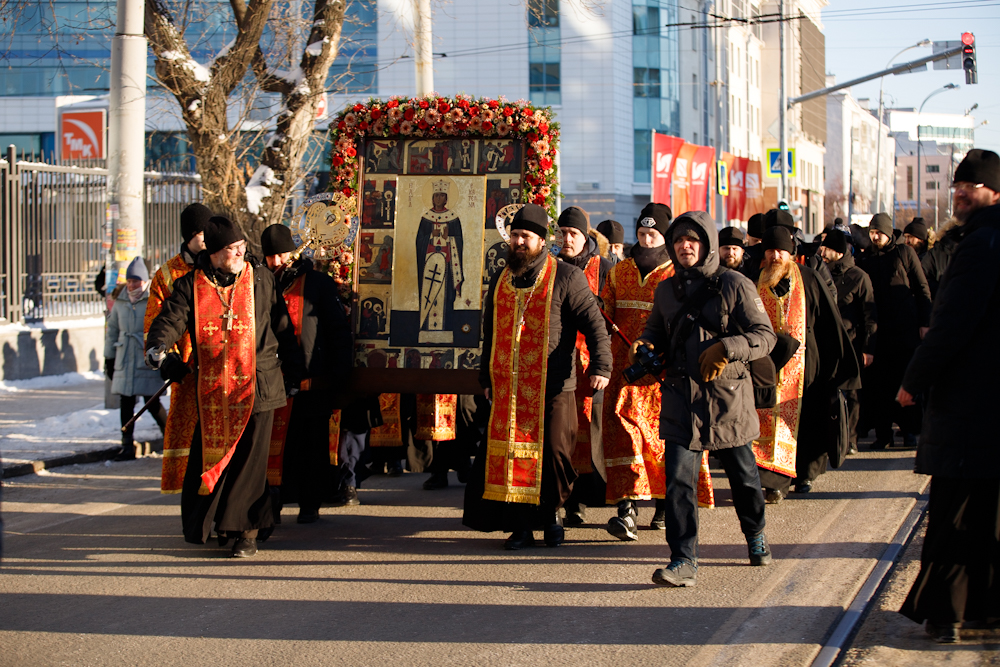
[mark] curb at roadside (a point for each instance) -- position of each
(32, 467)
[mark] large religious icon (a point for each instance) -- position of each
(378, 202)
(375, 257)
(447, 156)
(436, 276)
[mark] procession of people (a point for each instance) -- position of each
(611, 375)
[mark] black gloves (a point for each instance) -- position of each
(173, 368)
(109, 369)
(291, 387)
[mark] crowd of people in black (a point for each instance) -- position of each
(772, 354)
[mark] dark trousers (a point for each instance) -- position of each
(128, 410)
(307, 473)
(853, 415)
(682, 465)
(959, 576)
(351, 446)
(884, 377)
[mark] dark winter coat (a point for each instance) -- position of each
(574, 309)
(956, 365)
(901, 294)
(935, 261)
(581, 261)
(326, 335)
(856, 302)
(719, 414)
(277, 350)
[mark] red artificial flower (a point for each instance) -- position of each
(359, 107)
(363, 125)
(543, 127)
(507, 111)
(422, 124)
(546, 163)
(341, 125)
(464, 104)
(376, 114)
(392, 104)
(533, 137)
(493, 104)
(337, 160)
(408, 113)
(347, 191)
(487, 126)
(462, 126)
(424, 104)
(350, 151)
(474, 110)
(394, 129)
(530, 151)
(539, 199)
(443, 106)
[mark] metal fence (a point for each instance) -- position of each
(55, 237)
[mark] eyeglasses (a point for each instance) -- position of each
(968, 187)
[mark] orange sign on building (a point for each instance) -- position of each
(83, 134)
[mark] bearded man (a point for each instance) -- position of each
(731, 248)
(795, 435)
(532, 313)
(243, 342)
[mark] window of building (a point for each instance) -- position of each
(930, 185)
(694, 90)
(645, 20)
(933, 169)
(694, 34)
(656, 75)
(544, 43)
(646, 82)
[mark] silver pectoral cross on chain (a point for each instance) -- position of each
(229, 316)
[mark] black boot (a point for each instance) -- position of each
(128, 449)
(623, 526)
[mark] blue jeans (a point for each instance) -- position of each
(351, 446)
(682, 466)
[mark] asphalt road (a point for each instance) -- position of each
(96, 573)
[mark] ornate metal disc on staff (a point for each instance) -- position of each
(325, 223)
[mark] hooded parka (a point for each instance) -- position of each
(719, 414)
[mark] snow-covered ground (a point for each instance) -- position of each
(89, 429)
(49, 381)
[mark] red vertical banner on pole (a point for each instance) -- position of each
(701, 170)
(754, 188)
(682, 179)
(738, 201)
(665, 149)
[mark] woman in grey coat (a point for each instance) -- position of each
(124, 356)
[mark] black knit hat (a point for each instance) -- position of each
(838, 221)
(778, 237)
(194, 217)
(755, 226)
(276, 239)
(221, 232)
(836, 241)
(980, 166)
(576, 218)
(532, 218)
(612, 230)
(778, 217)
(731, 236)
(881, 222)
(917, 228)
(655, 216)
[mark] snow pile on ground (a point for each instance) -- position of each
(49, 381)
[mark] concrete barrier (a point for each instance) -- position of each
(52, 348)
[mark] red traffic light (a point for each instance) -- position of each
(968, 39)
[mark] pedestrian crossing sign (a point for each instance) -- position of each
(774, 164)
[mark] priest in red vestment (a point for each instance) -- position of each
(243, 340)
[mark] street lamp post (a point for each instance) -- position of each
(878, 141)
(950, 86)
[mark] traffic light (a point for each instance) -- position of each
(969, 57)
(782, 205)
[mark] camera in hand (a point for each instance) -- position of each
(646, 363)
